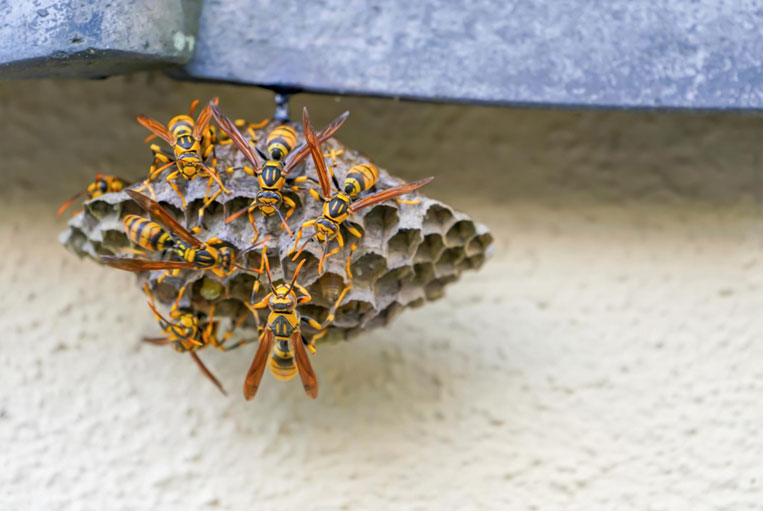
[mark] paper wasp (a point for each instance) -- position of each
(273, 175)
(101, 185)
(213, 255)
(340, 204)
(281, 341)
(187, 332)
(192, 142)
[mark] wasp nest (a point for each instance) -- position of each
(407, 255)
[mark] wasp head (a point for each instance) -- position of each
(325, 230)
(282, 299)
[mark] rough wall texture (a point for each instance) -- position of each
(607, 357)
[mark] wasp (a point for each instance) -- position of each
(101, 185)
(273, 175)
(340, 204)
(188, 332)
(167, 234)
(281, 341)
(192, 143)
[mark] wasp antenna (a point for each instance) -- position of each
(194, 103)
(296, 272)
(267, 268)
(69, 202)
(283, 221)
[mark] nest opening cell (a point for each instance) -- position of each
(422, 273)
(385, 315)
(436, 218)
(392, 281)
(402, 246)
(436, 288)
(115, 240)
(430, 248)
(368, 267)
(479, 244)
(327, 288)
(380, 221)
(460, 233)
(449, 259)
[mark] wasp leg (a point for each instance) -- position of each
(335, 250)
(333, 154)
(171, 180)
(256, 286)
(306, 296)
(250, 213)
(314, 194)
(299, 235)
(168, 273)
(207, 202)
(296, 181)
(409, 202)
(349, 260)
(290, 211)
(221, 344)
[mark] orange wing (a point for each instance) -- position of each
(202, 121)
(317, 153)
(127, 264)
(156, 128)
(306, 373)
(300, 152)
(390, 193)
(254, 375)
(235, 135)
(159, 214)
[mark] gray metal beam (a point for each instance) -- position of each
(91, 38)
(598, 53)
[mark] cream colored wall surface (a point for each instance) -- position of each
(608, 357)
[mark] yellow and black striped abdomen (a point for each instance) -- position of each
(180, 125)
(147, 234)
(360, 178)
(282, 365)
(281, 141)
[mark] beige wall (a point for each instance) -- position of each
(608, 357)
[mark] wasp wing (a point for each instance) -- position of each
(128, 264)
(235, 135)
(390, 193)
(306, 373)
(301, 151)
(156, 128)
(160, 214)
(317, 153)
(254, 375)
(203, 120)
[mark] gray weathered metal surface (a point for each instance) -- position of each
(604, 53)
(85, 39)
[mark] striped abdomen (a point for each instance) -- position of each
(281, 141)
(282, 364)
(147, 234)
(360, 178)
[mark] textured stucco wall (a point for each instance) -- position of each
(608, 357)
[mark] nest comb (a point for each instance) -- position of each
(407, 256)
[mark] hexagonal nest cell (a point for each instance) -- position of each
(407, 256)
